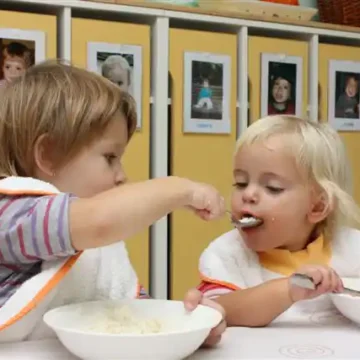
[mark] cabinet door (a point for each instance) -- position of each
(202, 157)
(137, 156)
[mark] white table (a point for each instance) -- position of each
(340, 340)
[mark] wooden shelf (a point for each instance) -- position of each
(229, 14)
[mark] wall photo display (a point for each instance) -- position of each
(207, 87)
(19, 50)
(281, 84)
(121, 64)
(343, 95)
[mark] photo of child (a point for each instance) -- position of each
(343, 95)
(281, 84)
(122, 65)
(207, 90)
(282, 88)
(118, 68)
(347, 95)
(16, 56)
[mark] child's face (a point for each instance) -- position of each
(98, 167)
(351, 87)
(13, 67)
(281, 90)
(120, 77)
(268, 185)
(206, 84)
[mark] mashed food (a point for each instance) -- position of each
(121, 320)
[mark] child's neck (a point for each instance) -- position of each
(302, 244)
(279, 106)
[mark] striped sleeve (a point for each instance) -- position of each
(211, 290)
(34, 228)
(143, 294)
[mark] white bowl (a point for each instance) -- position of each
(348, 305)
(182, 334)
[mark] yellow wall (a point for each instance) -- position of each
(39, 22)
(352, 139)
(258, 45)
(137, 157)
(202, 157)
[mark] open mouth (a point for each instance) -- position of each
(250, 221)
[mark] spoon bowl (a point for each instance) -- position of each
(245, 222)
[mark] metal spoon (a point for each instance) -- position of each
(245, 222)
(307, 282)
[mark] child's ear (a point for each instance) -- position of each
(320, 208)
(44, 155)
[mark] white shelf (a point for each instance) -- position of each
(267, 27)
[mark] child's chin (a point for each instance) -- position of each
(254, 245)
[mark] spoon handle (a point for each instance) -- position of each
(307, 282)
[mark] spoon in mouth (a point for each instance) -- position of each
(245, 222)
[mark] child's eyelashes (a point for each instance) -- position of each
(271, 189)
(240, 185)
(110, 158)
(274, 189)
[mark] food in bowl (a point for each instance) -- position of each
(121, 320)
(137, 329)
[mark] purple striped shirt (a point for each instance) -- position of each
(32, 229)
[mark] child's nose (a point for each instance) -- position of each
(120, 178)
(250, 195)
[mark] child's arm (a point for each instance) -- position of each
(257, 306)
(46, 227)
(260, 305)
(122, 212)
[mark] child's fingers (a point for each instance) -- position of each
(218, 330)
(338, 286)
(334, 281)
(315, 273)
(214, 305)
(325, 278)
(192, 299)
(212, 341)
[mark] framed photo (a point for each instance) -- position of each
(207, 93)
(281, 84)
(121, 64)
(19, 50)
(343, 95)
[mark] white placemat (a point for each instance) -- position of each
(35, 350)
(286, 342)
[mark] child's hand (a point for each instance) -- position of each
(192, 299)
(206, 201)
(325, 279)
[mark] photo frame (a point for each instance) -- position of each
(19, 50)
(207, 89)
(121, 64)
(343, 95)
(281, 84)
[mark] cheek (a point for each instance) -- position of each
(291, 208)
(236, 201)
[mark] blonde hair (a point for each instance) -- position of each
(70, 105)
(319, 151)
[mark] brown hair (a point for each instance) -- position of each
(69, 104)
